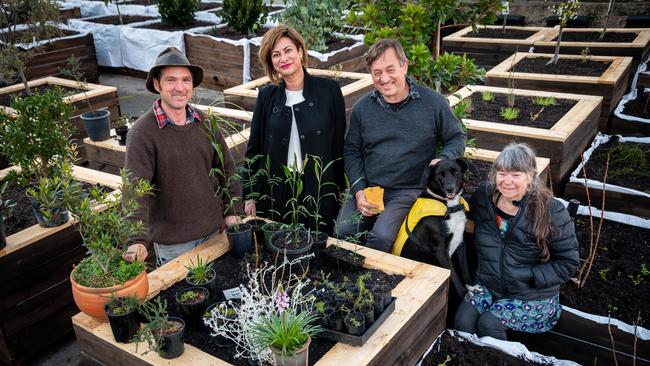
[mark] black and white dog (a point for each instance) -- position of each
(435, 226)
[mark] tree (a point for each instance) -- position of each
(565, 10)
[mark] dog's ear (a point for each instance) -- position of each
(425, 175)
(463, 164)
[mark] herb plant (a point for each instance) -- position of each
(155, 312)
(188, 297)
(509, 114)
(545, 101)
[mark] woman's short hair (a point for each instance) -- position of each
(268, 42)
(381, 46)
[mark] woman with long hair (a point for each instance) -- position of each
(526, 249)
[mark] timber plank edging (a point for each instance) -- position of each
(420, 283)
(461, 38)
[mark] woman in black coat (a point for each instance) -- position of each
(526, 249)
(297, 117)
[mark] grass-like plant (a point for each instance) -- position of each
(319, 173)
(545, 101)
(487, 96)
(462, 109)
(509, 114)
(199, 272)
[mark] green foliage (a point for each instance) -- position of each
(603, 273)
(462, 109)
(245, 16)
(106, 233)
(487, 96)
(354, 321)
(272, 181)
(316, 21)
(37, 137)
(22, 22)
(123, 305)
(286, 332)
(54, 194)
(155, 312)
(251, 178)
(199, 273)
(509, 114)
(414, 24)
(365, 295)
(545, 101)
(626, 160)
(639, 277)
(188, 297)
(178, 12)
(7, 205)
(319, 173)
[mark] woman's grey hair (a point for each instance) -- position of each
(516, 157)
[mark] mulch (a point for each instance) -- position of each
(537, 65)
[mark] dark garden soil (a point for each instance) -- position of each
(498, 33)
(594, 37)
(639, 107)
(537, 65)
(62, 33)
(126, 19)
(208, 6)
(473, 180)
(624, 170)
(21, 216)
(464, 353)
(619, 281)
(335, 43)
(230, 33)
(5, 99)
(489, 111)
(176, 28)
(287, 241)
(231, 273)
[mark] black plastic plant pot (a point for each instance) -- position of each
(211, 285)
(378, 305)
(240, 238)
(283, 238)
(352, 329)
(320, 241)
(268, 230)
(59, 215)
(194, 310)
(121, 133)
(335, 320)
(123, 326)
(172, 344)
(258, 233)
(97, 124)
(368, 312)
(383, 292)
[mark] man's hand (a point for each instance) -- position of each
(366, 208)
(232, 220)
(434, 161)
(136, 252)
(249, 207)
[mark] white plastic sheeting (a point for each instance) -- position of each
(98, 8)
(107, 39)
(27, 46)
(514, 349)
(602, 139)
(641, 332)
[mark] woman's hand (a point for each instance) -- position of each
(249, 208)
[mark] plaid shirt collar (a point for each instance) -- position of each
(163, 120)
(413, 94)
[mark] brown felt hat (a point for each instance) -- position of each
(172, 56)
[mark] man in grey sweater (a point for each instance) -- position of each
(394, 133)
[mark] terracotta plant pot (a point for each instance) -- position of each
(91, 301)
(299, 358)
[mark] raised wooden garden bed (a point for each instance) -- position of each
(245, 95)
(610, 84)
(489, 52)
(632, 115)
(99, 96)
(562, 143)
(53, 55)
(108, 155)
(349, 58)
(626, 191)
(637, 47)
(36, 302)
(70, 12)
(418, 318)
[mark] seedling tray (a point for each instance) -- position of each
(359, 340)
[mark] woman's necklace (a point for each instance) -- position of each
(506, 206)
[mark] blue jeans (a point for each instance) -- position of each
(168, 252)
(383, 227)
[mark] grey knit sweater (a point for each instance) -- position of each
(390, 149)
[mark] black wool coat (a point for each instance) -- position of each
(320, 119)
(511, 267)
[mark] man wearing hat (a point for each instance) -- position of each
(167, 146)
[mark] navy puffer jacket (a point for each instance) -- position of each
(511, 267)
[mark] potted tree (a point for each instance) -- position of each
(163, 333)
(105, 233)
(42, 152)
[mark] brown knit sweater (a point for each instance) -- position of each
(177, 161)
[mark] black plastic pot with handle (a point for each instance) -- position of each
(240, 237)
(172, 343)
(124, 325)
(97, 124)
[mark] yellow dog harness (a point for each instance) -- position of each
(422, 208)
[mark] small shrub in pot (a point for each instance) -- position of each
(123, 317)
(162, 333)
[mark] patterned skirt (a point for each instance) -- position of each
(532, 316)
